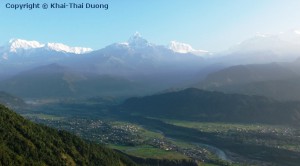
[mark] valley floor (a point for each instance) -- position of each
(212, 143)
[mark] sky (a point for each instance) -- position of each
(212, 25)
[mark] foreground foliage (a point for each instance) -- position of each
(25, 143)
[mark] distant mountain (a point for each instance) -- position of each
(276, 80)
(56, 81)
(263, 48)
(19, 55)
(153, 66)
(157, 67)
(137, 56)
(25, 143)
(284, 90)
(20, 46)
(199, 105)
(42, 81)
(186, 48)
(242, 74)
(293, 66)
(136, 59)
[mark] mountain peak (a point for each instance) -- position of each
(137, 35)
(185, 48)
(17, 44)
(138, 41)
(297, 32)
(59, 47)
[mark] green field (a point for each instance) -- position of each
(281, 137)
(42, 116)
(146, 151)
(226, 127)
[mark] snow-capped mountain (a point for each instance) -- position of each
(134, 61)
(264, 48)
(14, 45)
(272, 43)
(18, 55)
(64, 48)
(20, 46)
(139, 55)
(136, 56)
(137, 41)
(185, 48)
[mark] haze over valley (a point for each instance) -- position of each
(59, 85)
(198, 83)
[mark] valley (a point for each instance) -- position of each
(162, 105)
(218, 143)
(160, 83)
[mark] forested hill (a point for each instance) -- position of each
(25, 143)
(200, 105)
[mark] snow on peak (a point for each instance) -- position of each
(16, 44)
(137, 35)
(59, 47)
(137, 41)
(263, 35)
(124, 44)
(185, 48)
(297, 32)
(180, 47)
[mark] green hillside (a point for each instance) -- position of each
(25, 143)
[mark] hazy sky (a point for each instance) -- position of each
(212, 25)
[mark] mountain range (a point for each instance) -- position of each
(139, 67)
(19, 46)
(137, 56)
(19, 55)
(27, 68)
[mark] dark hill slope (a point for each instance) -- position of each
(195, 104)
(242, 74)
(279, 81)
(25, 143)
(283, 90)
